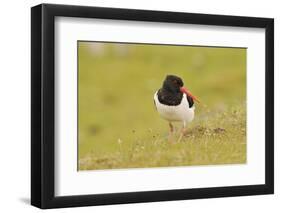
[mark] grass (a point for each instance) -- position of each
(119, 126)
(204, 144)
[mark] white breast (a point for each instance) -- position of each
(181, 112)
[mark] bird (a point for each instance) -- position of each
(175, 103)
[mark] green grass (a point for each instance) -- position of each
(117, 133)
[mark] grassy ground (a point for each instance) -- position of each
(119, 126)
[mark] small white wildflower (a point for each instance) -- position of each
(119, 141)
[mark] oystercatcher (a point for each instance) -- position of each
(175, 103)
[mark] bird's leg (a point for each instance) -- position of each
(170, 138)
(182, 132)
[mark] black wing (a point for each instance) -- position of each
(190, 101)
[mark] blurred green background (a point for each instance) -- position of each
(116, 111)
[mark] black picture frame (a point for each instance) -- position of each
(43, 102)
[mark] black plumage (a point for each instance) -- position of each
(170, 93)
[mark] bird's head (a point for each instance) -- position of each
(174, 84)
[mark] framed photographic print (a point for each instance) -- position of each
(139, 106)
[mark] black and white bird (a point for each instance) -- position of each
(175, 103)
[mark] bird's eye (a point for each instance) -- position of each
(175, 82)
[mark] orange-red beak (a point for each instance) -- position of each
(187, 92)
